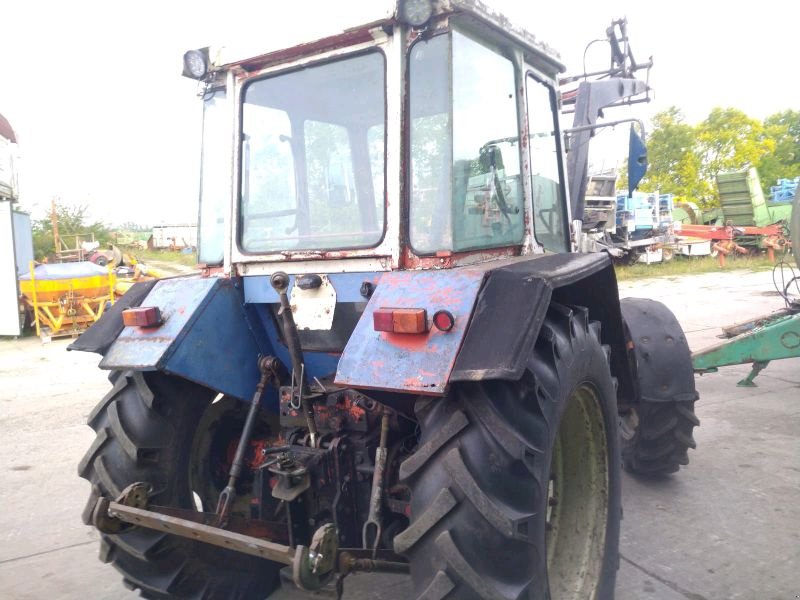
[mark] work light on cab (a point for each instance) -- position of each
(195, 63)
(416, 13)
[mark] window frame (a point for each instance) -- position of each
(564, 203)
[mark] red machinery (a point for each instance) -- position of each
(724, 238)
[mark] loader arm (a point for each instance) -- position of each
(614, 86)
(591, 99)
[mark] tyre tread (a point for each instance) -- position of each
(467, 575)
(91, 454)
(454, 425)
(443, 504)
(119, 383)
(504, 432)
(664, 436)
(440, 587)
(120, 433)
(504, 519)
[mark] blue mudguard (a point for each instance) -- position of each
(205, 337)
(415, 363)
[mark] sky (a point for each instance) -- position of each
(104, 119)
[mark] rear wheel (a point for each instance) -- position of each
(515, 486)
(166, 432)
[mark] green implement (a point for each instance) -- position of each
(757, 341)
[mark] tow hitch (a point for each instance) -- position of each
(312, 566)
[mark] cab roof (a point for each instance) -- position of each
(329, 33)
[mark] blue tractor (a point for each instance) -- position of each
(394, 360)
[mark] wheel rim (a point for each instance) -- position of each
(212, 452)
(578, 498)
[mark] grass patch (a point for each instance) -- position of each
(170, 256)
(686, 265)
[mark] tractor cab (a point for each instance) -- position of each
(401, 144)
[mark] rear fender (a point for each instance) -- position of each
(513, 305)
(99, 337)
(499, 309)
(411, 363)
(206, 337)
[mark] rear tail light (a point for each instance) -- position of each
(400, 320)
(142, 316)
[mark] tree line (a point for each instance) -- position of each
(685, 159)
(72, 221)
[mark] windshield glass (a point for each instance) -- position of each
(214, 179)
(313, 158)
(466, 191)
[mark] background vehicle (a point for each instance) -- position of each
(635, 227)
(394, 361)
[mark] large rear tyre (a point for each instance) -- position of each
(155, 429)
(515, 486)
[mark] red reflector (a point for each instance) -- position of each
(443, 320)
(142, 316)
(400, 320)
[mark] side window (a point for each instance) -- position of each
(465, 161)
(429, 105)
(214, 178)
(549, 216)
(487, 192)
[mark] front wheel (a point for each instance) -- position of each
(515, 486)
(656, 431)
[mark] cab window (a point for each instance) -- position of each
(465, 162)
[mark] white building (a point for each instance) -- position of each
(174, 237)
